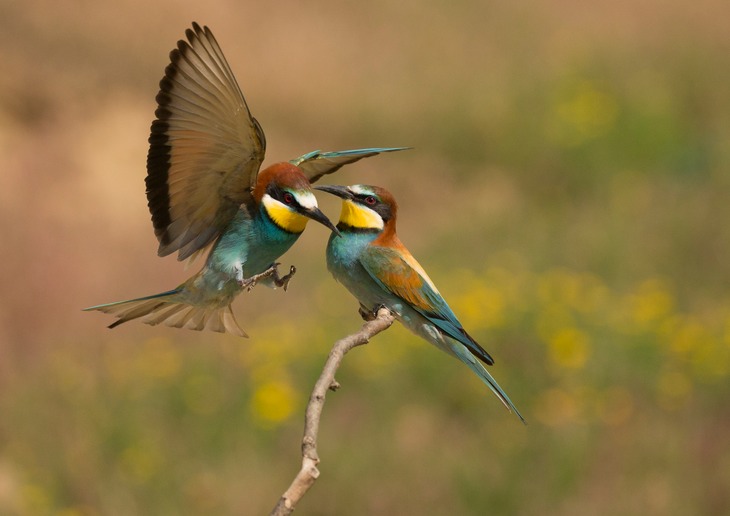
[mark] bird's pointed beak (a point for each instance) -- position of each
(316, 214)
(340, 191)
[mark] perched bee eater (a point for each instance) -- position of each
(369, 259)
(204, 191)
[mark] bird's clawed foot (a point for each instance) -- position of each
(250, 283)
(272, 272)
(370, 314)
(283, 281)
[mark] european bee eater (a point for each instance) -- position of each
(368, 258)
(204, 190)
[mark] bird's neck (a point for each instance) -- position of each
(385, 236)
(343, 227)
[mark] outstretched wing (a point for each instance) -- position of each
(397, 271)
(205, 147)
(316, 164)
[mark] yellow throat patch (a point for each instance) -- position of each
(283, 216)
(360, 217)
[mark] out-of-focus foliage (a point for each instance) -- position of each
(568, 193)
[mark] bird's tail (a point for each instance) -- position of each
(470, 360)
(168, 308)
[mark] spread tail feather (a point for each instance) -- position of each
(168, 309)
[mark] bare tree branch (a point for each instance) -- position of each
(309, 472)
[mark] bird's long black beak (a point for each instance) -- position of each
(340, 191)
(316, 214)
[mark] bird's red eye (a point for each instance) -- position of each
(370, 200)
(288, 198)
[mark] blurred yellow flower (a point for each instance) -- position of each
(273, 402)
(569, 348)
(588, 113)
(35, 499)
(480, 307)
(710, 359)
(651, 301)
(684, 334)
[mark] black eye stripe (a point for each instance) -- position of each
(374, 203)
(368, 199)
(281, 195)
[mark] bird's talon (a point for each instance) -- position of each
(374, 313)
(247, 283)
(284, 280)
(370, 314)
(250, 283)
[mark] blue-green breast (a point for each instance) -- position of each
(250, 243)
(254, 242)
(343, 262)
(344, 251)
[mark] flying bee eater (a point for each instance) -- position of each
(205, 192)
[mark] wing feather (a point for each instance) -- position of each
(397, 271)
(316, 164)
(205, 148)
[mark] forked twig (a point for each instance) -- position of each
(308, 473)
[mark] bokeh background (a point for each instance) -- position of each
(568, 191)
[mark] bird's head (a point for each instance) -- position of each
(364, 207)
(287, 197)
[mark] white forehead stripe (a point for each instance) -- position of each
(306, 199)
(359, 189)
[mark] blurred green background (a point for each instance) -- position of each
(568, 191)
